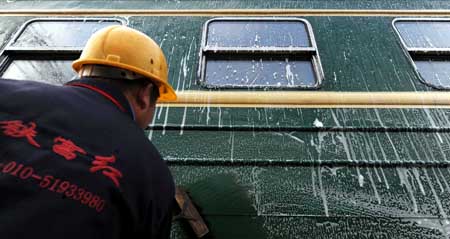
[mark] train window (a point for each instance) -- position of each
(426, 43)
(58, 33)
(259, 53)
(43, 49)
(425, 34)
(263, 33)
(54, 72)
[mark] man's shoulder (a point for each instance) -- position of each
(14, 83)
(27, 89)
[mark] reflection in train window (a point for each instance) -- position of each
(426, 42)
(55, 72)
(259, 53)
(43, 49)
(263, 33)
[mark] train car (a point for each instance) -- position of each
(295, 119)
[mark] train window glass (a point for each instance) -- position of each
(257, 34)
(43, 49)
(259, 53)
(222, 70)
(55, 72)
(436, 72)
(428, 34)
(58, 33)
(426, 43)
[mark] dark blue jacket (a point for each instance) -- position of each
(74, 164)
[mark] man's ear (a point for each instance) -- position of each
(143, 97)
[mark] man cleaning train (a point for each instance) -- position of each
(74, 160)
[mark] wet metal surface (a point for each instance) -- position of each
(300, 173)
(230, 4)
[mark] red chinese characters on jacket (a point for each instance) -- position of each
(17, 129)
(66, 148)
(101, 163)
(62, 147)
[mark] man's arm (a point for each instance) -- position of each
(163, 228)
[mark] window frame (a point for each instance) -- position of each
(311, 52)
(11, 53)
(417, 52)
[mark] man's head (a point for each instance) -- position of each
(141, 93)
(132, 61)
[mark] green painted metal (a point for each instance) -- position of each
(320, 201)
(296, 147)
(321, 227)
(357, 53)
(300, 173)
(231, 4)
(254, 119)
(366, 55)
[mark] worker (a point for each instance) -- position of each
(74, 159)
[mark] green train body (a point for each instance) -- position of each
(265, 166)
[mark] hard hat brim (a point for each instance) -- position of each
(166, 92)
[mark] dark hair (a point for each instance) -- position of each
(155, 93)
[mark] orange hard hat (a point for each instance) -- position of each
(129, 49)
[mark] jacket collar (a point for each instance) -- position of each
(108, 91)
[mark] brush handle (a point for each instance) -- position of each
(190, 212)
